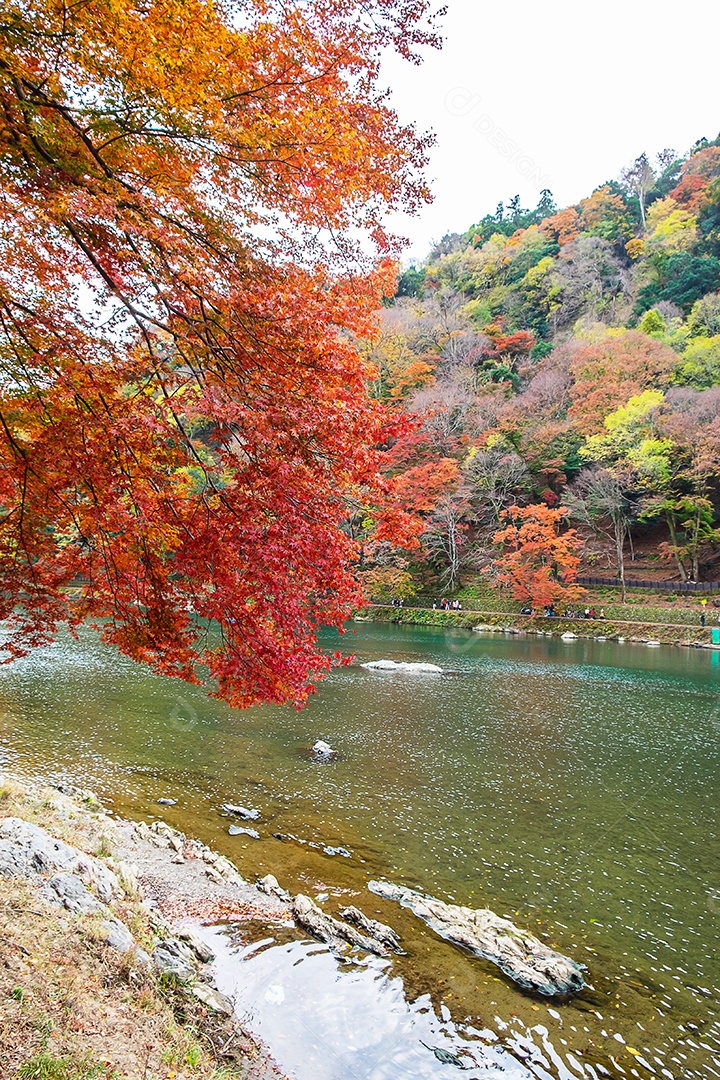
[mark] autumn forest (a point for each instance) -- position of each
(226, 411)
(565, 363)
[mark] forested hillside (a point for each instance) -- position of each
(562, 357)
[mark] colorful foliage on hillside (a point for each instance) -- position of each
(540, 326)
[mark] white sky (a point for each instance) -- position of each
(553, 93)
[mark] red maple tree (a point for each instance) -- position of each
(182, 413)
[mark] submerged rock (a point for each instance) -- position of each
(377, 930)
(333, 932)
(447, 1058)
(523, 957)
(405, 666)
(238, 830)
(241, 811)
(323, 749)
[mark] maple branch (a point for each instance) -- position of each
(138, 316)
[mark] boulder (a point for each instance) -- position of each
(270, 885)
(27, 850)
(100, 878)
(211, 997)
(227, 870)
(42, 851)
(173, 957)
(15, 861)
(376, 930)
(323, 749)
(68, 891)
(523, 957)
(117, 935)
(392, 665)
(204, 954)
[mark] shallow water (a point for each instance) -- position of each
(571, 786)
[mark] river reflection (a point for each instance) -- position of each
(569, 786)
(331, 1020)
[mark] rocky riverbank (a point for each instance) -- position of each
(106, 976)
(102, 976)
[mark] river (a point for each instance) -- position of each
(572, 786)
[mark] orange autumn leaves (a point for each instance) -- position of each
(538, 563)
(183, 417)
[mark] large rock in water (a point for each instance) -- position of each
(409, 666)
(527, 960)
(336, 934)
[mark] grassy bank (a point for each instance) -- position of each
(638, 629)
(641, 605)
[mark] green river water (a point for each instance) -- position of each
(572, 786)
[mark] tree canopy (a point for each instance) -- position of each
(523, 347)
(183, 416)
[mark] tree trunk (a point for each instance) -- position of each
(620, 530)
(696, 547)
(670, 518)
(452, 552)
